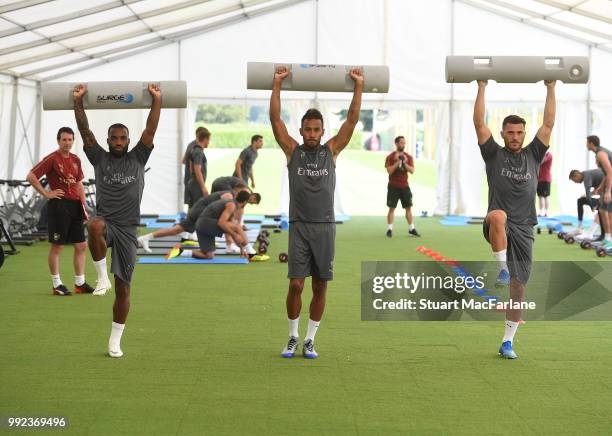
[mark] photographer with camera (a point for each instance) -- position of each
(399, 164)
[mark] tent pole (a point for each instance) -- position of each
(180, 114)
(11, 155)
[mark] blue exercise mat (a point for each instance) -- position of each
(454, 220)
(189, 260)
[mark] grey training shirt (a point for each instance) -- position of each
(197, 157)
(186, 157)
(247, 156)
(591, 179)
(312, 180)
(215, 209)
(119, 183)
(513, 179)
(202, 203)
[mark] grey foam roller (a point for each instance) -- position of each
(113, 95)
(318, 78)
(517, 69)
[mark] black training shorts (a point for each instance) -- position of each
(65, 221)
(543, 189)
(402, 194)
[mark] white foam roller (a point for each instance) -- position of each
(113, 95)
(319, 78)
(517, 69)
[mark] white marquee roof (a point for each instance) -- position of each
(44, 39)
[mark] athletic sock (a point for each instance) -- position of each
(412, 226)
(500, 257)
(79, 280)
(510, 330)
(313, 326)
(147, 237)
(114, 341)
(579, 225)
(101, 269)
(249, 249)
(609, 237)
(56, 280)
(293, 327)
(389, 226)
(186, 253)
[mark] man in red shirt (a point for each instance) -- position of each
(544, 180)
(399, 164)
(65, 212)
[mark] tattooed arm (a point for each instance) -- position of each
(81, 119)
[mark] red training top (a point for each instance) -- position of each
(545, 169)
(399, 177)
(62, 173)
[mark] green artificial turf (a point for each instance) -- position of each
(202, 346)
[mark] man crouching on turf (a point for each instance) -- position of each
(217, 219)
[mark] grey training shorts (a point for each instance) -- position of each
(311, 250)
(122, 240)
(207, 229)
(519, 253)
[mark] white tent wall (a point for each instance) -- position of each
(6, 96)
(602, 127)
(20, 115)
(162, 181)
(418, 39)
(411, 37)
(214, 64)
(601, 67)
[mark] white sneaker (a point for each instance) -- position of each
(291, 347)
(583, 236)
(308, 350)
(144, 243)
(114, 351)
(249, 249)
(232, 249)
(102, 286)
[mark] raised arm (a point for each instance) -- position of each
(153, 119)
(81, 119)
(341, 140)
(482, 131)
(286, 142)
(550, 108)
